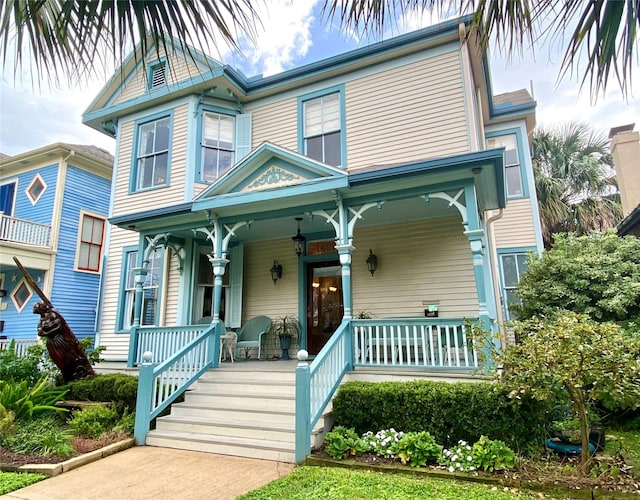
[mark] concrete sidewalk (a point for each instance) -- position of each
(147, 472)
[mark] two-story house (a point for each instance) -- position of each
(54, 203)
(381, 196)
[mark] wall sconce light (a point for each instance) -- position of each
(372, 262)
(276, 271)
(298, 240)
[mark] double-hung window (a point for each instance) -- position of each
(513, 266)
(322, 129)
(511, 162)
(217, 145)
(152, 157)
(150, 289)
(90, 245)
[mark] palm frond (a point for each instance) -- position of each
(574, 181)
(68, 37)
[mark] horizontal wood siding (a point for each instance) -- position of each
(171, 291)
(117, 344)
(515, 228)
(125, 202)
(276, 123)
(75, 293)
(408, 113)
(425, 261)
(179, 70)
(260, 295)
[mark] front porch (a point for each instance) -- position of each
(288, 401)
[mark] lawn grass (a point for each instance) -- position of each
(11, 481)
(627, 441)
(337, 483)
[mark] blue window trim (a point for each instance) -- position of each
(123, 280)
(339, 89)
(151, 68)
(134, 154)
(523, 174)
(509, 251)
(202, 109)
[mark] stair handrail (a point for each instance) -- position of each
(316, 383)
(160, 384)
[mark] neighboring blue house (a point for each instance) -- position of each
(53, 217)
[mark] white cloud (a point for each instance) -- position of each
(283, 38)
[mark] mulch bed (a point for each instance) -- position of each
(13, 459)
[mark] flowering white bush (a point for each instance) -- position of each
(459, 458)
(383, 443)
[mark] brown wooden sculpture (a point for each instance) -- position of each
(63, 346)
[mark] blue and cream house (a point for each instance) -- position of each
(381, 196)
(54, 203)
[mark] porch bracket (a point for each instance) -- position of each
(179, 252)
(331, 219)
(453, 201)
(357, 215)
(231, 231)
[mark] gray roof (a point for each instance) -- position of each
(91, 150)
(513, 98)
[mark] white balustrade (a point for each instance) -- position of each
(24, 231)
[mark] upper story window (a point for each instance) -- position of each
(152, 156)
(322, 129)
(217, 145)
(90, 244)
(511, 162)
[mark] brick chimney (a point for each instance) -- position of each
(625, 148)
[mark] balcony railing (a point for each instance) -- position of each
(24, 231)
(20, 346)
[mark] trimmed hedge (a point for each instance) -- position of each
(450, 412)
(119, 388)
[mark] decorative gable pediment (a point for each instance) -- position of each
(271, 167)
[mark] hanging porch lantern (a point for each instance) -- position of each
(298, 240)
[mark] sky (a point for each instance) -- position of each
(293, 33)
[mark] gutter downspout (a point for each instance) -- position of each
(495, 268)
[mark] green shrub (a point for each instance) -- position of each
(44, 436)
(126, 423)
(25, 401)
(92, 421)
(418, 449)
(21, 368)
(450, 412)
(342, 442)
(491, 455)
(118, 388)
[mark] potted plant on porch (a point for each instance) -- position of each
(287, 329)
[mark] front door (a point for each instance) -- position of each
(324, 303)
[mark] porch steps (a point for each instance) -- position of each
(236, 411)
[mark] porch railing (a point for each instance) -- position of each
(161, 341)
(316, 383)
(24, 231)
(159, 385)
(20, 346)
(419, 343)
(422, 343)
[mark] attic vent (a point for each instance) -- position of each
(158, 76)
